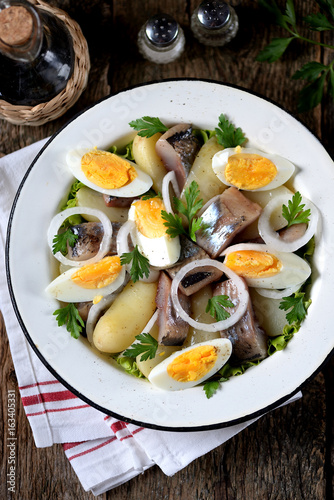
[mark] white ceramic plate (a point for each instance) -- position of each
(93, 377)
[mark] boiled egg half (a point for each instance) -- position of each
(251, 169)
(264, 267)
(108, 173)
(150, 233)
(89, 282)
(191, 366)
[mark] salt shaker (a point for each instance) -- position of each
(214, 23)
(161, 40)
(36, 54)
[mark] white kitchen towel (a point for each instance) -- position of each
(104, 452)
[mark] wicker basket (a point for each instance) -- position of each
(48, 111)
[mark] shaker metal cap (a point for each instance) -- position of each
(161, 30)
(213, 14)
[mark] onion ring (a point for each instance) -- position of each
(169, 178)
(220, 325)
(122, 243)
(272, 238)
(278, 294)
(58, 220)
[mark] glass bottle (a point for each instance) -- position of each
(36, 54)
(214, 23)
(161, 39)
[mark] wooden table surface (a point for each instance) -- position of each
(287, 454)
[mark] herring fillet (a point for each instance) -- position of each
(223, 218)
(173, 330)
(249, 340)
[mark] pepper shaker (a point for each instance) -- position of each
(214, 23)
(161, 40)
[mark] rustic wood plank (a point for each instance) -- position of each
(286, 454)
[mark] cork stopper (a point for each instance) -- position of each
(16, 25)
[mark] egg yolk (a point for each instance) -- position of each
(107, 170)
(193, 365)
(99, 274)
(249, 171)
(253, 263)
(148, 217)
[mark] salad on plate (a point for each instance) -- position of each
(183, 256)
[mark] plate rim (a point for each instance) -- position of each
(68, 385)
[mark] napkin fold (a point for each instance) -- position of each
(103, 451)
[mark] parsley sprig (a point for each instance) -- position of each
(189, 209)
(70, 317)
(59, 242)
(314, 73)
(216, 307)
(227, 135)
(140, 265)
(148, 126)
(297, 307)
(146, 345)
(294, 213)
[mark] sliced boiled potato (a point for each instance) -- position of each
(163, 352)
(146, 158)
(87, 197)
(270, 317)
(126, 317)
(199, 302)
(201, 171)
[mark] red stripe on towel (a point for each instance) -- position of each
(118, 426)
(68, 446)
(47, 397)
(39, 383)
(56, 409)
(93, 449)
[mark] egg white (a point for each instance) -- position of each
(285, 168)
(295, 270)
(161, 252)
(160, 378)
(138, 186)
(64, 289)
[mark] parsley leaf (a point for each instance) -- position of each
(146, 346)
(310, 71)
(315, 73)
(60, 241)
(148, 126)
(290, 14)
(195, 225)
(193, 205)
(297, 307)
(227, 135)
(318, 22)
(70, 317)
(311, 95)
(274, 50)
(216, 306)
(173, 223)
(294, 212)
(327, 6)
(211, 387)
(140, 264)
(189, 209)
